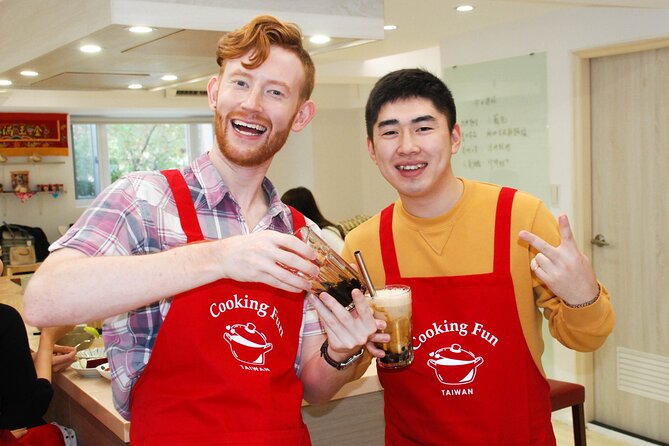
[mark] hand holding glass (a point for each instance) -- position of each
(336, 277)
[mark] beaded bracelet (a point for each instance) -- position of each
(585, 304)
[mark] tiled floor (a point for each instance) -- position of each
(595, 435)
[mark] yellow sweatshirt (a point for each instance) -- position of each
(460, 242)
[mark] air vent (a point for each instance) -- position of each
(643, 374)
(191, 93)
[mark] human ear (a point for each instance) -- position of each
(212, 92)
(304, 115)
(456, 139)
(370, 149)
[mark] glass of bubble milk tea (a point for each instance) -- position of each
(393, 304)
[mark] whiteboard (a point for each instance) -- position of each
(503, 114)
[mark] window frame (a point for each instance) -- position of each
(102, 163)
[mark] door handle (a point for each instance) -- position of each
(599, 240)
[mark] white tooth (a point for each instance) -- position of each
(249, 125)
(413, 167)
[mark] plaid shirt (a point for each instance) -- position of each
(137, 215)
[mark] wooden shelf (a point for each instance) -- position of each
(9, 192)
(29, 163)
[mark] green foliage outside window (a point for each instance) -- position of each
(102, 149)
(136, 147)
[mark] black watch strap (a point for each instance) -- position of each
(336, 364)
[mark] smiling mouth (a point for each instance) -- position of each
(247, 128)
(412, 167)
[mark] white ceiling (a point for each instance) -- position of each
(186, 32)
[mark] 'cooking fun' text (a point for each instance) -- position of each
(262, 309)
(454, 327)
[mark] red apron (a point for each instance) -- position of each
(43, 435)
(473, 380)
(222, 367)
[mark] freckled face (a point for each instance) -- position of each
(412, 146)
(256, 109)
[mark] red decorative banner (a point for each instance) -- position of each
(25, 134)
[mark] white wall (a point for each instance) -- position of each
(42, 210)
(559, 35)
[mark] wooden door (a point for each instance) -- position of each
(630, 211)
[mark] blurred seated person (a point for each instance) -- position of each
(303, 200)
(25, 380)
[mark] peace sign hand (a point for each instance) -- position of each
(564, 269)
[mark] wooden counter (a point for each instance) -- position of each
(353, 417)
(85, 404)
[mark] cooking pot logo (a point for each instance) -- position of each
(247, 344)
(453, 365)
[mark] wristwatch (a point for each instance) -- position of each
(336, 364)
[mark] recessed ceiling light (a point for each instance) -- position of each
(135, 86)
(319, 39)
(390, 27)
(169, 77)
(29, 73)
(140, 29)
(464, 8)
(90, 49)
(5, 82)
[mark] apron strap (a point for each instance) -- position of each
(298, 219)
(185, 206)
(502, 262)
(388, 254)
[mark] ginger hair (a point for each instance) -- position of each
(258, 36)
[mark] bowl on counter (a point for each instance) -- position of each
(104, 370)
(90, 358)
(85, 372)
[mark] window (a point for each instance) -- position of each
(105, 150)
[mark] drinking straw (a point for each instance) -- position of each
(365, 273)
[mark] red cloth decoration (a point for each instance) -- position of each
(25, 134)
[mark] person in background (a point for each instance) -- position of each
(25, 380)
(484, 262)
(303, 200)
(209, 335)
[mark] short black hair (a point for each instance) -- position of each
(406, 84)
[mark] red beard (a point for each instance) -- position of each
(250, 157)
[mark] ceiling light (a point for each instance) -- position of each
(135, 86)
(5, 82)
(90, 49)
(140, 29)
(390, 27)
(319, 39)
(29, 73)
(464, 8)
(169, 77)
